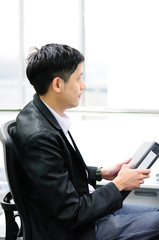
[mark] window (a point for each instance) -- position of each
(25, 24)
(122, 53)
(9, 54)
(119, 40)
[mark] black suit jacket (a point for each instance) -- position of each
(55, 180)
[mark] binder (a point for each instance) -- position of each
(146, 155)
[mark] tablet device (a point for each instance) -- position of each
(144, 158)
(146, 155)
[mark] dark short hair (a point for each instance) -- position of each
(50, 61)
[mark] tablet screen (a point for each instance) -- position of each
(146, 155)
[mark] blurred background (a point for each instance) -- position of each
(120, 41)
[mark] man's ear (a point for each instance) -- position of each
(57, 84)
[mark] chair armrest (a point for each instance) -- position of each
(10, 210)
(6, 203)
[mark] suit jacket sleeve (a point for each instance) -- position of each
(92, 176)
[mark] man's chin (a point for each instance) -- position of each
(73, 106)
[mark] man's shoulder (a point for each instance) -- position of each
(30, 121)
(35, 118)
(29, 114)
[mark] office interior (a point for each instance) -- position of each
(119, 109)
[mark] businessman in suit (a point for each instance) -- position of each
(59, 188)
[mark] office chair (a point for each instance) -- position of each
(13, 230)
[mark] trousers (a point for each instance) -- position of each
(131, 222)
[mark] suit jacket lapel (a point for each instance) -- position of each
(77, 151)
(49, 116)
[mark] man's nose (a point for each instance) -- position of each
(83, 85)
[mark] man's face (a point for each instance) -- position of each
(72, 89)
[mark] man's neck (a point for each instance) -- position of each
(52, 103)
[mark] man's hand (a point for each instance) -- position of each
(111, 173)
(128, 179)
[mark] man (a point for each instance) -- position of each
(59, 187)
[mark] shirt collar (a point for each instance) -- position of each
(64, 121)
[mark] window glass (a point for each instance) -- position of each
(122, 53)
(55, 22)
(9, 53)
(25, 24)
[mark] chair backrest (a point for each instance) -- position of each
(13, 176)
